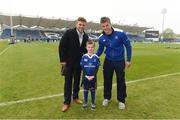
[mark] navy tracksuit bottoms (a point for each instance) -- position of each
(108, 69)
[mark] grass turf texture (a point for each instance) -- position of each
(32, 70)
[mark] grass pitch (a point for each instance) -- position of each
(29, 71)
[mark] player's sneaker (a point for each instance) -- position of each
(93, 107)
(84, 106)
(121, 106)
(105, 102)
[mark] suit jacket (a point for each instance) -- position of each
(70, 50)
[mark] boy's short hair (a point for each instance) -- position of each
(105, 19)
(82, 19)
(90, 42)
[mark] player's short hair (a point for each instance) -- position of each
(82, 19)
(105, 19)
(90, 42)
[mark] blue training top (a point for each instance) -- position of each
(114, 44)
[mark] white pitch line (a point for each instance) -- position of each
(30, 99)
(61, 94)
(5, 50)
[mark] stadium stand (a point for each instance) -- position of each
(136, 38)
(50, 29)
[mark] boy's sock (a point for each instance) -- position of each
(85, 96)
(93, 96)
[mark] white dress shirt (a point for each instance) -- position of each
(80, 36)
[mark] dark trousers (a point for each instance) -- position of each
(73, 73)
(119, 68)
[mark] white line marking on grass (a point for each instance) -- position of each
(160, 76)
(5, 50)
(61, 94)
(30, 99)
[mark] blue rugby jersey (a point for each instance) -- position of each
(90, 64)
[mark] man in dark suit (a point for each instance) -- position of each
(71, 49)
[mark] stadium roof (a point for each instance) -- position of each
(51, 23)
(35, 21)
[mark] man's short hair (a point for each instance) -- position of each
(90, 42)
(82, 19)
(105, 19)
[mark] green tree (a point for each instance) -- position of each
(178, 35)
(168, 34)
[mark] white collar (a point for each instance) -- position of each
(79, 33)
(91, 55)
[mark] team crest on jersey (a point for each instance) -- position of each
(85, 60)
(116, 37)
(104, 40)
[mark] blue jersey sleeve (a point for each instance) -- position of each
(127, 45)
(100, 48)
(98, 61)
(97, 65)
(82, 61)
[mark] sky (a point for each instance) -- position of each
(145, 13)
